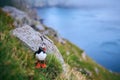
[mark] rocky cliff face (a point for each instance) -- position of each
(22, 18)
(31, 37)
(76, 64)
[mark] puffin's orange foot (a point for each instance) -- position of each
(37, 65)
(43, 65)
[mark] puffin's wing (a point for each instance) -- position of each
(39, 50)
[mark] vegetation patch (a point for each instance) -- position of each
(16, 60)
(54, 68)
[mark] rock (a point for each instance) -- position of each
(38, 26)
(21, 4)
(22, 18)
(88, 73)
(34, 40)
(85, 71)
(72, 74)
(60, 40)
(52, 32)
(84, 56)
(96, 70)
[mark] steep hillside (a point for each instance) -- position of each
(78, 60)
(17, 62)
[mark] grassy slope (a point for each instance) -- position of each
(75, 60)
(16, 60)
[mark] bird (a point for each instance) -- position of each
(40, 55)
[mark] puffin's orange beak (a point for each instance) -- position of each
(44, 49)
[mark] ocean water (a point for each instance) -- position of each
(96, 31)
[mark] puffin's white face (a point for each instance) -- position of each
(43, 46)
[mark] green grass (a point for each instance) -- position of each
(53, 70)
(75, 60)
(16, 60)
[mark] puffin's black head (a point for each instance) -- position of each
(41, 49)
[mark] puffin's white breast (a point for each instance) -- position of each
(41, 56)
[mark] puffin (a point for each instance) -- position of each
(40, 55)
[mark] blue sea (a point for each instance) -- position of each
(96, 31)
